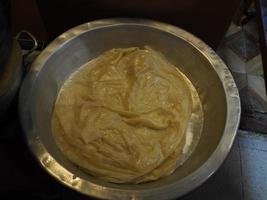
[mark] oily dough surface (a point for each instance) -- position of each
(123, 116)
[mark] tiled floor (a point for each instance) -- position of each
(241, 52)
(243, 176)
(253, 151)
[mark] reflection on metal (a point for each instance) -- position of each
(205, 70)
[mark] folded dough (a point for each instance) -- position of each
(122, 117)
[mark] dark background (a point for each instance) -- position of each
(207, 19)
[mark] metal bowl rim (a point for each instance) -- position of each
(175, 189)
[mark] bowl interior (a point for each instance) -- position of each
(90, 44)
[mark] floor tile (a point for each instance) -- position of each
(233, 29)
(245, 46)
(226, 183)
(240, 80)
(254, 166)
(254, 66)
(256, 83)
(255, 185)
(252, 140)
(251, 102)
(232, 60)
(252, 28)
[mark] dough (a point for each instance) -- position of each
(122, 117)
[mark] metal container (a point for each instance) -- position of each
(213, 81)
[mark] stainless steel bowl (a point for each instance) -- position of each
(72, 49)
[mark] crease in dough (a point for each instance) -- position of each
(123, 116)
